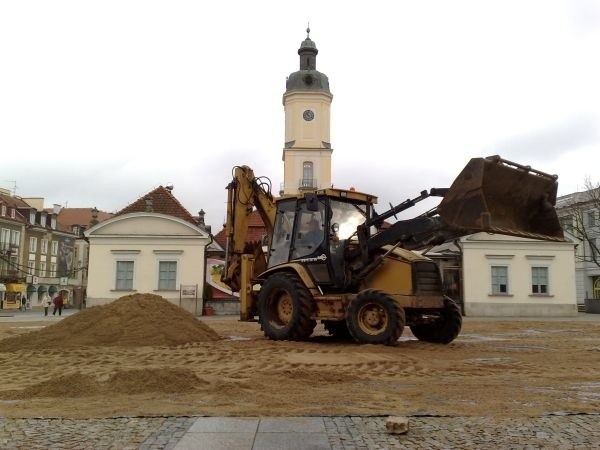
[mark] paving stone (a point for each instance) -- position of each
(292, 424)
(215, 441)
(225, 424)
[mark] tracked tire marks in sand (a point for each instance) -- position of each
(513, 369)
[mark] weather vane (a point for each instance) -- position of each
(308, 30)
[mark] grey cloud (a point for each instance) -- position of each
(550, 142)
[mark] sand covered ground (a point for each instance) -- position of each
(143, 356)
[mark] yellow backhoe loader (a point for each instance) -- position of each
(330, 257)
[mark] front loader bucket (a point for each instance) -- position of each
(499, 196)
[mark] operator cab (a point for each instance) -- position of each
(312, 229)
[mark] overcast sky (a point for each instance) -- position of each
(101, 102)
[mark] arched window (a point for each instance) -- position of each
(597, 288)
(307, 175)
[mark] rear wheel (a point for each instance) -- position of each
(285, 308)
(442, 330)
(375, 318)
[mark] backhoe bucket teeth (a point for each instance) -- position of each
(499, 196)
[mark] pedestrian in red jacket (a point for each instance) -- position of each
(58, 304)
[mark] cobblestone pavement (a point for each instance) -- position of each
(550, 432)
(344, 433)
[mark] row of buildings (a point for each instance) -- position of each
(155, 245)
(42, 250)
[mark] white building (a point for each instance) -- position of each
(152, 246)
(579, 216)
(508, 276)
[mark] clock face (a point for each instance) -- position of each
(308, 115)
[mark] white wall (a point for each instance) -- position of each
(482, 251)
(146, 239)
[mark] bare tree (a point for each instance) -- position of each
(579, 216)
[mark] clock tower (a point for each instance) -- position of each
(307, 104)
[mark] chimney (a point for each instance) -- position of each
(57, 208)
(94, 220)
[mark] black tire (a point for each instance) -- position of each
(375, 318)
(285, 308)
(337, 328)
(444, 329)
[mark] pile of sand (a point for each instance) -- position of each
(130, 321)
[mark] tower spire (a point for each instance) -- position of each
(308, 53)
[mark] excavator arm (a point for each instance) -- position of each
(245, 193)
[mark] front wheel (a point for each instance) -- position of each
(442, 330)
(375, 318)
(285, 308)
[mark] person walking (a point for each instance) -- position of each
(58, 304)
(46, 302)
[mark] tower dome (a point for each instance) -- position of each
(308, 78)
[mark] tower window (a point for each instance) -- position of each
(307, 175)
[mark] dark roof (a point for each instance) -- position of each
(307, 80)
(13, 202)
(162, 201)
(67, 217)
(221, 238)
(20, 203)
(256, 230)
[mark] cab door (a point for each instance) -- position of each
(310, 246)
(281, 241)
